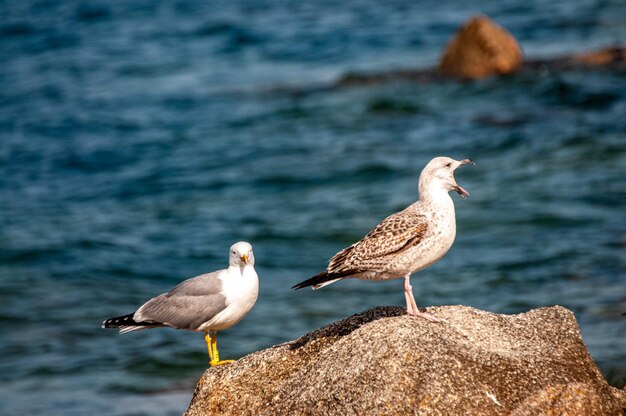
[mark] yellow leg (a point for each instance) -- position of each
(214, 354)
(209, 347)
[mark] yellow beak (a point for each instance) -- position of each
(244, 257)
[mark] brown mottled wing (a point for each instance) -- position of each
(392, 236)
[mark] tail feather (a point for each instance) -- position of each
(326, 283)
(127, 323)
(319, 280)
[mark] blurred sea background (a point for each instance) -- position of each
(140, 139)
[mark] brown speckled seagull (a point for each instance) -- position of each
(405, 242)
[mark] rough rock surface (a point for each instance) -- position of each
(383, 361)
(480, 49)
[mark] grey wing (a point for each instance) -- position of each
(392, 236)
(188, 305)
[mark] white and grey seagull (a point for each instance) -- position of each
(405, 242)
(207, 303)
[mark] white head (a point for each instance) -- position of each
(438, 175)
(241, 255)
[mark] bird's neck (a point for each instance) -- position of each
(435, 196)
(241, 270)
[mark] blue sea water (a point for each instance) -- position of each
(139, 140)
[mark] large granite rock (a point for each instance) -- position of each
(385, 362)
(480, 49)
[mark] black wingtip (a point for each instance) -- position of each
(124, 320)
(300, 285)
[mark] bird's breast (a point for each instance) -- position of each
(433, 246)
(242, 289)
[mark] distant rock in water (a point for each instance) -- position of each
(383, 361)
(480, 49)
(613, 58)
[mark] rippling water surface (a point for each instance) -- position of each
(141, 139)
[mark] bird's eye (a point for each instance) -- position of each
(448, 164)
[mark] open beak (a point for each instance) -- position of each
(244, 258)
(458, 188)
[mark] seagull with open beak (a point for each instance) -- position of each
(405, 242)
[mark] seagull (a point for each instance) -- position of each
(404, 242)
(207, 303)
